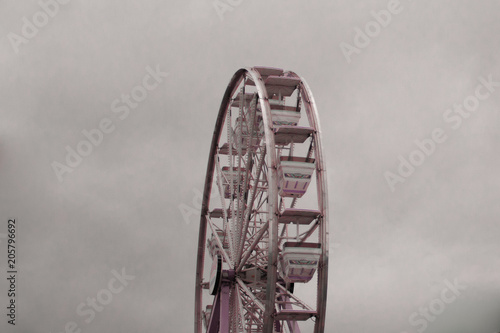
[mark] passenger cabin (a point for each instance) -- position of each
(252, 275)
(206, 315)
(278, 88)
(213, 247)
(283, 115)
(299, 261)
(244, 127)
(294, 175)
(227, 175)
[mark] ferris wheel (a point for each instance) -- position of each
(262, 262)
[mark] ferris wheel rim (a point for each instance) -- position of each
(323, 195)
(233, 84)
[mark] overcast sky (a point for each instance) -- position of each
(126, 208)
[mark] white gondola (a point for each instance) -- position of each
(244, 127)
(206, 315)
(227, 175)
(283, 115)
(213, 247)
(294, 176)
(299, 261)
(252, 275)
